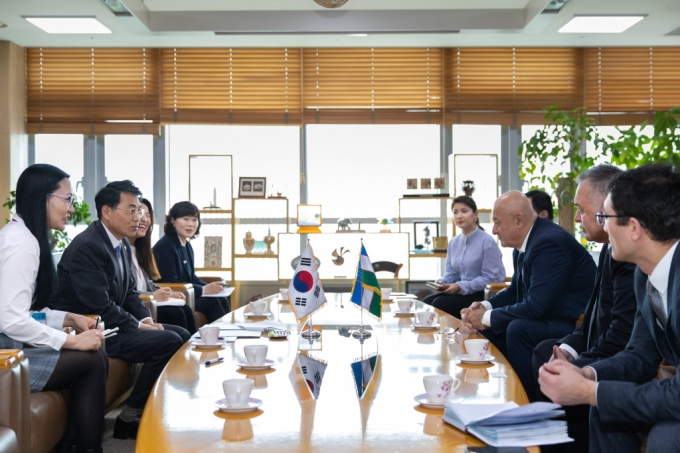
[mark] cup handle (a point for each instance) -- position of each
(456, 384)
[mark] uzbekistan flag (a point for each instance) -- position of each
(305, 293)
(365, 288)
(363, 373)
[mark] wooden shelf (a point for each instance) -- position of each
(255, 255)
(215, 211)
(428, 255)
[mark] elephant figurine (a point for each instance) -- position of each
(343, 224)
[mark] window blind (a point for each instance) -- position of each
(92, 91)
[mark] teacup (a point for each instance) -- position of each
(426, 318)
(255, 353)
(405, 305)
(438, 387)
(237, 391)
(386, 293)
(258, 307)
(284, 293)
(477, 348)
(209, 334)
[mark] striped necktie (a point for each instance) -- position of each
(657, 303)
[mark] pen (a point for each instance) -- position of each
(97, 323)
(211, 361)
(456, 329)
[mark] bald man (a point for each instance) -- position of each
(553, 279)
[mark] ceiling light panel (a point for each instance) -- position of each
(69, 25)
(600, 24)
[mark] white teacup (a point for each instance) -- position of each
(426, 318)
(237, 391)
(405, 305)
(255, 353)
(209, 334)
(258, 307)
(386, 293)
(438, 387)
(477, 348)
(284, 293)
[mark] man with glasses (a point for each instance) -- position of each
(95, 278)
(608, 319)
(642, 217)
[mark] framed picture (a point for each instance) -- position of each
(425, 183)
(440, 183)
(424, 234)
(412, 183)
(419, 288)
(309, 215)
(252, 187)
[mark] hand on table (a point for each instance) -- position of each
(472, 316)
(566, 384)
(560, 354)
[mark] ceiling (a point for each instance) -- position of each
(303, 23)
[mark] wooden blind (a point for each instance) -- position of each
(637, 81)
(372, 86)
(92, 91)
(510, 86)
(230, 86)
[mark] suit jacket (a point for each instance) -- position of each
(608, 320)
(172, 266)
(91, 282)
(626, 391)
(554, 282)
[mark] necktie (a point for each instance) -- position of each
(657, 303)
(520, 278)
(118, 258)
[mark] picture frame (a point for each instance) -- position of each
(424, 233)
(425, 183)
(412, 184)
(252, 187)
(440, 183)
(309, 215)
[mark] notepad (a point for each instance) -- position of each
(510, 425)
(171, 302)
(226, 292)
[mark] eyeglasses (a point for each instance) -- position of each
(132, 211)
(601, 217)
(69, 199)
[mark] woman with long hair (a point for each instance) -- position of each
(175, 259)
(144, 270)
(473, 260)
(28, 282)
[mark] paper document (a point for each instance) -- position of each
(172, 302)
(226, 292)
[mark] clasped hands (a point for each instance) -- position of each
(472, 316)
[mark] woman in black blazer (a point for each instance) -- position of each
(175, 259)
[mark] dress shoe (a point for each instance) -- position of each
(125, 430)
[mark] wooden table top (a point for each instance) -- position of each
(180, 415)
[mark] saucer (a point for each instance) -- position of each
(253, 315)
(404, 314)
(465, 359)
(253, 403)
(246, 366)
(432, 326)
(199, 344)
(423, 401)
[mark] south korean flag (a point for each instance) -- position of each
(313, 370)
(305, 292)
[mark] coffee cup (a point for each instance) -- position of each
(284, 293)
(477, 348)
(255, 353)
(386, 293)
(438, 387)
(237, 391)
(426, 318)
(405, 305)
(258, 307)
(209, 334)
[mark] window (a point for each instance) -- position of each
(64, 151)
(131, 157)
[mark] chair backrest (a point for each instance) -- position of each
(387, 266)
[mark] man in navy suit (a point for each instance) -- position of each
(95, 278)
(642, 217)
(553, 279)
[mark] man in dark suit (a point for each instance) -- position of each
(553, 278)
(95, 278)
(642, 217)
(608, 319)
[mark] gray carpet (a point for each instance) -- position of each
(110, 444)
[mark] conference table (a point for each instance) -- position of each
(374, 411)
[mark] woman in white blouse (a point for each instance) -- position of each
(28, 281)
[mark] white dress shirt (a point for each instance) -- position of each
(19, 261)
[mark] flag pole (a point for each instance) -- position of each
(310, 334)
(361, 333)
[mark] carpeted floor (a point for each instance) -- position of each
(110, 444)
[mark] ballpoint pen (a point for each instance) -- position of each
(96, 325)
(211, 361)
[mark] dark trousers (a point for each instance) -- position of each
(153, 348)
(518, 341)
(575, 416)
(181, 316)
(627, 438)
(453, 303)
(213, 307)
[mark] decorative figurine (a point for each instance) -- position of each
(249, 242)
(384, 222)
(343, 224)
(339, 260)
(468, 187)
(269, 240)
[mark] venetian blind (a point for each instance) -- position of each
(230, 86)
(372, 86)
(92, 91)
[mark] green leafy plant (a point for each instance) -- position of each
(60, 239)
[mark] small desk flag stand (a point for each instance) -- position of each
(306, 294)
(366, 293)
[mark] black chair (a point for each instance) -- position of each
(387, 266)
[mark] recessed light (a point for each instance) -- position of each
(358, 34)
(600, 24)
(74, 25)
